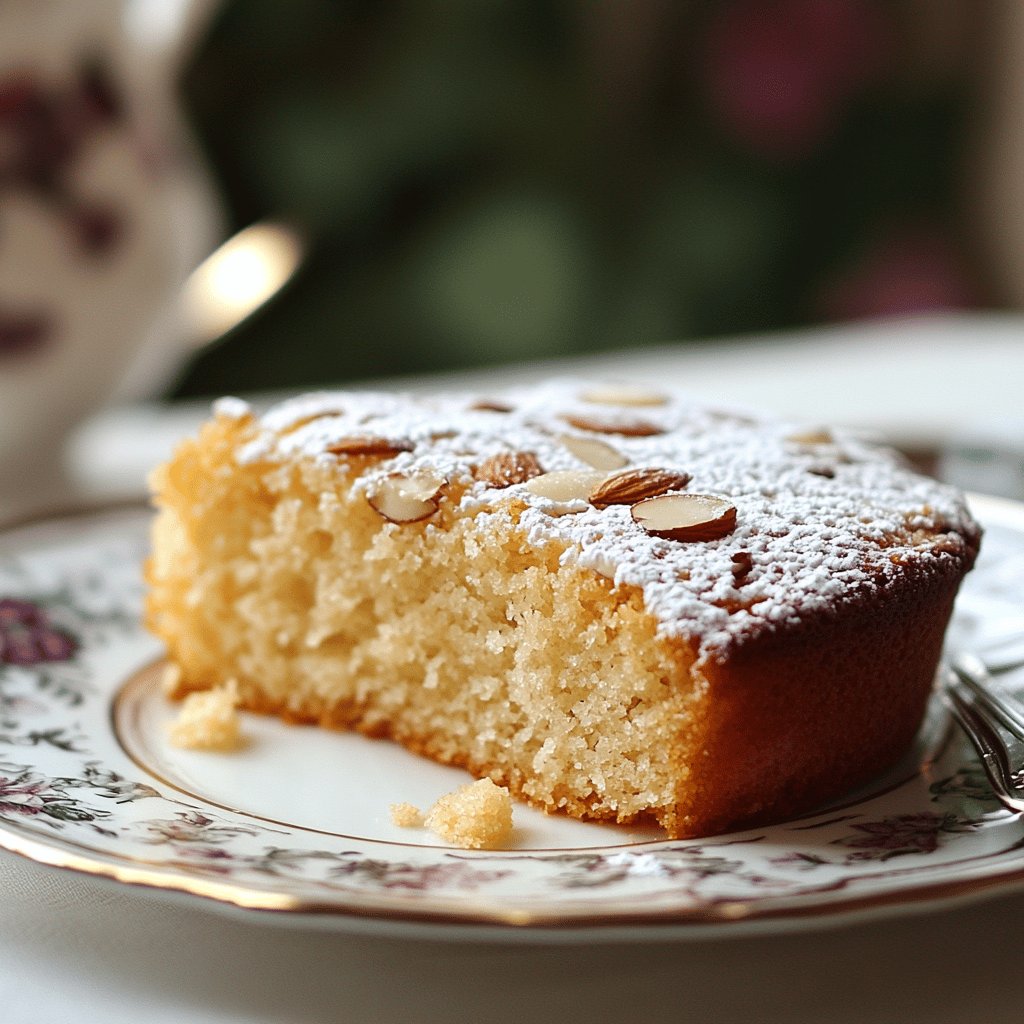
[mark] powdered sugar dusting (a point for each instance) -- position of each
(818, 523)
(232, 408)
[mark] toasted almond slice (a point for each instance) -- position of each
(633, 485)
(566, 484)
(594, 453)
(367, 444)
(491, 405)
(623, 394)
(625, 427)
(508, 468)
(303, 421)
(686, 516)
(406, 497)
(811, 437)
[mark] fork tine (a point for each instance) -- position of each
(986, 741)
(972, 672)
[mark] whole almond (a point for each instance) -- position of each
(508, 468)
(368, 445)
(625, 427)
(685, 517)
(633, 485)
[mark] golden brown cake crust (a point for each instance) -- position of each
(777, 745)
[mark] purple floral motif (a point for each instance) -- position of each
(113, 785)
(688, 866)
(190, 827)
(455, 874)
(24, 792)
(27, 637)
(209, 859)
(802, 860)
(901, 835)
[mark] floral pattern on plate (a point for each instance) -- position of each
(71, 794)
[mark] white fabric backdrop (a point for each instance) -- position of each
(76, 951)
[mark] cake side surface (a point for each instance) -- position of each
(545, 638)
(798, 720)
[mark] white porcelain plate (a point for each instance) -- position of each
(297, 823)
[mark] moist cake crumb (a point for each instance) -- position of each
(477, 816)
(208, 720)
(406, 816)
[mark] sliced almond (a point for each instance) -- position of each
(508, 468)
(367, 444)
(594, 453)
(303, 421)
(566, 484)
(406, 497)
(628, 428)
(690, 517)
(811, 437)
(623, 394)
(491, 405)
(633, 485)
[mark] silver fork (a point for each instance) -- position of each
(994, 724)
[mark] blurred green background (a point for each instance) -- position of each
(484, 181)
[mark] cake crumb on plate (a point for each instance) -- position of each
(477, 816)
(209, 720)
(406, 816)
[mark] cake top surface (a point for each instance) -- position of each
(800, 520)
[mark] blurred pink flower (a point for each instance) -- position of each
(908, 270)
(778, 72)
(27, 637)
